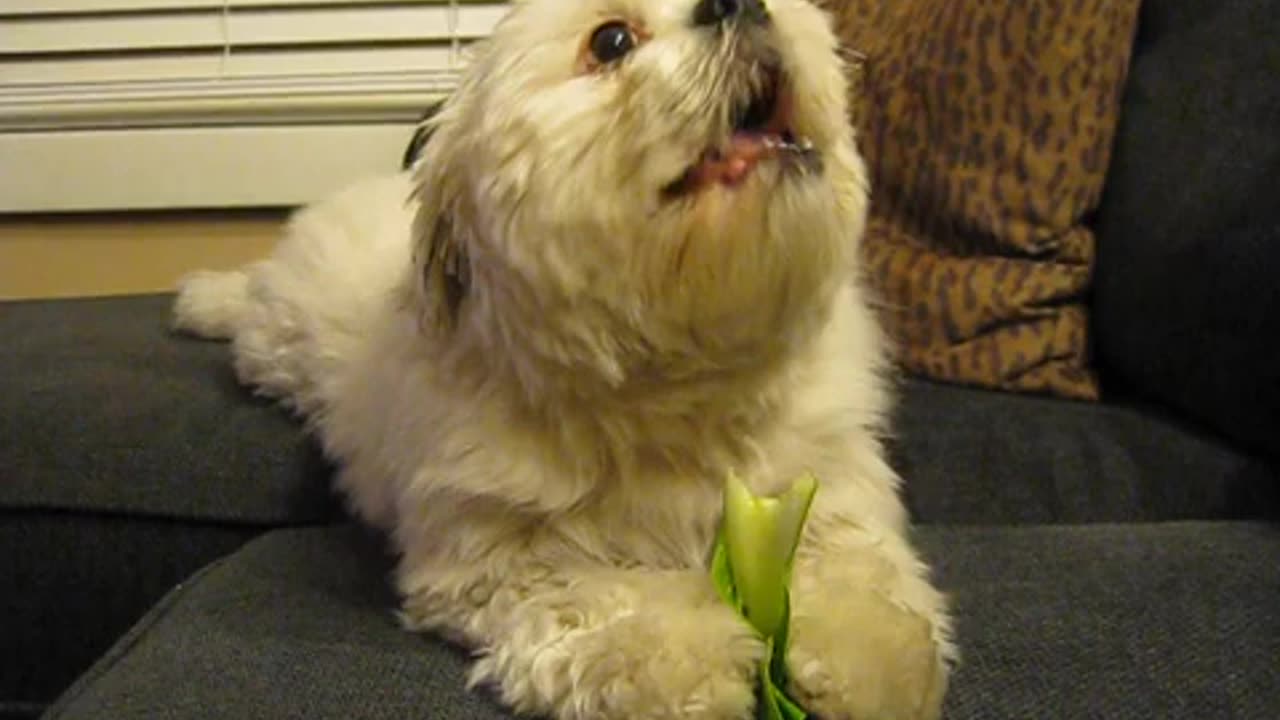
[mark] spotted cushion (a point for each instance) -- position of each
(987, 128)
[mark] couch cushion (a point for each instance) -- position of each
(75, 582)
(297, 624)
(986, 457)
(1125, 622)
(1169, 621)
(1186, 293)
(987, 129)
(102, 409)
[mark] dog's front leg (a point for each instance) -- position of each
(869, 633)
(603, 643)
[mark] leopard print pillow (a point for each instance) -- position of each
(987, 129)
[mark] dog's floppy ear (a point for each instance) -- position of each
(421, 134)
(445, 271)
(440, 257)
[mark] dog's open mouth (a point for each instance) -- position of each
(761, 130)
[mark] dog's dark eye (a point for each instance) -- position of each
(611, 41)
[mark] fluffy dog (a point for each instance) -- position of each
(625, 264)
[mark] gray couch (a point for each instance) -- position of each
(1117, 560)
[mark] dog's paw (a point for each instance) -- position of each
(859, 656)
(646, 666)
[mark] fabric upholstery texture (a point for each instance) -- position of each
(987, 129)
(106, 410)
(972, 456)
(1170, 621)
(298, 624)
(74, 582)
(1187, 306)
(129, 458)
(1125, 622)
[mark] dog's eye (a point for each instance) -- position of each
(611, 41)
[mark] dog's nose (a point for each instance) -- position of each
(715, 12)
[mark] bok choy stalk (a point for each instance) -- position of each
(751, 569)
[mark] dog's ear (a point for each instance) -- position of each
(440, 259)
(445, 272)
(421, 134)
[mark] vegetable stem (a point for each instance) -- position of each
(751, 569)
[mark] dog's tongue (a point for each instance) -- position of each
(733, 164)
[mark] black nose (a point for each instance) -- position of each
(715, 12)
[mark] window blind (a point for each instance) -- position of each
(137, 92)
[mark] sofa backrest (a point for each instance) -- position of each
(1186, 303)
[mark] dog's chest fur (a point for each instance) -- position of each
(625, 481)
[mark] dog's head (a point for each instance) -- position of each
(625, 187)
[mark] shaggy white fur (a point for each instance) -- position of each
(537, 357)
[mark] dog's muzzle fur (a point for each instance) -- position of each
(759, 105)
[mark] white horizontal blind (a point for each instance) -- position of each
(125, 71)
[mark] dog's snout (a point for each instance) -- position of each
(716, 12)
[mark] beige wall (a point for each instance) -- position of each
(116, 254)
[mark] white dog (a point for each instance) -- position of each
(626, 264)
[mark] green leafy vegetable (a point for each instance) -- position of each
(751, 569)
